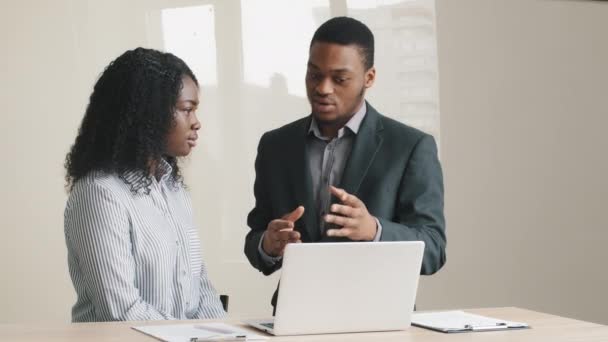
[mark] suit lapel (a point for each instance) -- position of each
(300, 174)
(367, 143)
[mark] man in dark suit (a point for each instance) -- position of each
(345, 172)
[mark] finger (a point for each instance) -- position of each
(282, 250)
(287, 235)
(340, 220)
(277, 245)
(341, 194)
(343, 210)
(277, 225)
(294, 236)
(294, 215)
(293, 239)
(282, 235)
(343, 232)
(345, 197)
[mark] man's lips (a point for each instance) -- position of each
(323, 106)
(323, 102)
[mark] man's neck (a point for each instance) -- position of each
(330, 130)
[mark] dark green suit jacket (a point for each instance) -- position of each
(393, 169)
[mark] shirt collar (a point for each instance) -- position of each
(353, 124)
(164, 171)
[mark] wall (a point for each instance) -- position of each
(521, 94)
(523, 114)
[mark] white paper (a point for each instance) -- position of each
(184, 332)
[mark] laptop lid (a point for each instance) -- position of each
(347, 287)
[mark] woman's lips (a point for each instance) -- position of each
(192, 141)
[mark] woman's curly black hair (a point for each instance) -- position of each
(130, 113)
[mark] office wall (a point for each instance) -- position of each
(521, 101)
(523, 116)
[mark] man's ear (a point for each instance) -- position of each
(370, 77)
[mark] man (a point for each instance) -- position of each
(345, 172)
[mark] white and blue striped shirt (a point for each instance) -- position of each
(135, 256)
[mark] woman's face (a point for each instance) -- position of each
(183, 134)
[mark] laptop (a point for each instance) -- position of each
(346, 287)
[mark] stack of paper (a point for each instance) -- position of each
(202, 331)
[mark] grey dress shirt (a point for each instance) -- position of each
(327, 158)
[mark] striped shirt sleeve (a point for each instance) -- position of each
(209, 305)
(98, 235)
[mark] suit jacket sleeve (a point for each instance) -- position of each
(419, 211)
(260, 215)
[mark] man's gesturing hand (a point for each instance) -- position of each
(280, 232)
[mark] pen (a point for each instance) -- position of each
(497, 326)
(219, 338)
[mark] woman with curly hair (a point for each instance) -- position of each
(133, 249)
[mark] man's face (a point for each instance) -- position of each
(336, 81)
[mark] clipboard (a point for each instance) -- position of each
(460, 322)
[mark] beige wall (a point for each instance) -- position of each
(38, 105)
(522, 108)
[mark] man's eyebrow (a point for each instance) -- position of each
(310, 65)
(340, 70)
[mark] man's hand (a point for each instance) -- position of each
(356, 222)
(280, 232)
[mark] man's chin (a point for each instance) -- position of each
(326, 118)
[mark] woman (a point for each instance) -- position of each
(133, 250)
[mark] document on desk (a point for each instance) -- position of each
(199, 332)
(460, 321)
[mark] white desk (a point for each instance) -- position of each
(545, 327)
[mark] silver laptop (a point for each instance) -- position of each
(346, 287)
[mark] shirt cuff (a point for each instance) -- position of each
(268, 260)
(378, 231)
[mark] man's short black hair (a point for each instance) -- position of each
(348, 31)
